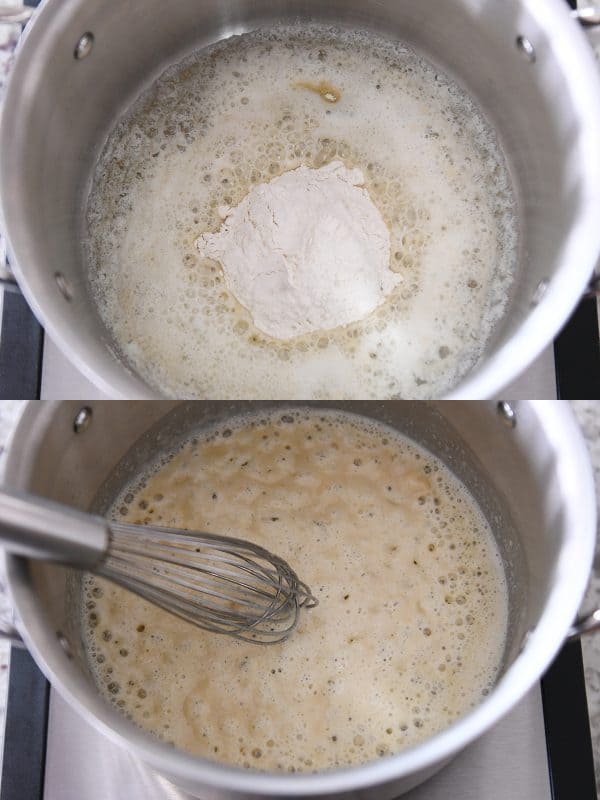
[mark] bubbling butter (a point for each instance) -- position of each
(411, 622)
(252, 108)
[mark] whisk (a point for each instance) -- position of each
(219, 583)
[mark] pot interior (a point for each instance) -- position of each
(540, 108)
(516, 485)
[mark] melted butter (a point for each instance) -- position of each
(411, 621)
(229, 118)
(325, 90)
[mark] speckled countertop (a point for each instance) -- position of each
(588, 414)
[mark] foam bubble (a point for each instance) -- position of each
(238, 114)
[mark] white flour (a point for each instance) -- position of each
(308, 251)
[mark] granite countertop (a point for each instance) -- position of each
(588, 414)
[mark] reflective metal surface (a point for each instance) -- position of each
(61, 380)
(37, 528)
(588, 17)
(589, 623)
(507, 763)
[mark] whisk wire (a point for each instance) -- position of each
(186, 580)
(222, 584)
(265, 581)
(166, 553)
(211, 614)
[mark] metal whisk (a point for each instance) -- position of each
(221, 584)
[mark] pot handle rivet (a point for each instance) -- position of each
(64, 643)
(587, 17)
(540, 291)
(82, 419)
(525, 47)
(84, 46)
(8, 633)
(507, 413)
(64, 287)
(524, 642)
(588, 623)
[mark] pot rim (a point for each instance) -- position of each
(574, 564)
(533, 335)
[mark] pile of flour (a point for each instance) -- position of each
(308, 251)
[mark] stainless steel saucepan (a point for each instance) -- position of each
(82, 62)
(527, 467)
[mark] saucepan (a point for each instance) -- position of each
(81, 63)
(526, 465)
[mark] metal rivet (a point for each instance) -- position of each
(525, 640)
(64, 643)
(587, 17)
(82, 420)
(525, 47)
(64, 287)
(540, 291)
(507, 412)
(84, 46)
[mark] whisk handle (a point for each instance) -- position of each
(42, 529)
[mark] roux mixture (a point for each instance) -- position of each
(411, 621)
(249, 109)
